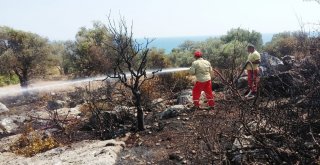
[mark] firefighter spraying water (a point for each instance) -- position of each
(202, 69)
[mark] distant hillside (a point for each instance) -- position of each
(168, 43)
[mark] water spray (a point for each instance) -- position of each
(169, 70)
(10, 91)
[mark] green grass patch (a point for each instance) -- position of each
(8, 80)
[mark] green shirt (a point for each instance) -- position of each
(202, 69)
(253, 57)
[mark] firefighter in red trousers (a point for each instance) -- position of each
(252, 67)
(202, 69)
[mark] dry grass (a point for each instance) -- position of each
(32, 142)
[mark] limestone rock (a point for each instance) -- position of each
(8, 125)
(3, 108)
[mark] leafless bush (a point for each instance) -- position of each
(163, 86)
(107, 111)
(56, 118)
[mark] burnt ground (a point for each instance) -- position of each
(190, 138)
(201, 137)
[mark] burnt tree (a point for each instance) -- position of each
(129, 62)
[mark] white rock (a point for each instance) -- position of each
(157, 101)
(8, 125)
(178, 107)
(62, 112)
(19, 118)
(82, 153)
(3, 108)
(243, 142)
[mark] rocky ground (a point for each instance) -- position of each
(84, 152)
(172, 133)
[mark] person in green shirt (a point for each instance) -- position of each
(252, 68)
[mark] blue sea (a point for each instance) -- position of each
(169, 43)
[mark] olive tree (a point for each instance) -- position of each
(87, 54)
(242, 35)
(23, 53)
(158, 59)
(181, 58)
(282, 44)
(57, 57)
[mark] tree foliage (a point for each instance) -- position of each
(181, 58)
(282, 44)
(245, 36)
(220, 54)
(187, 45)
(158, 59)
(87, 55)
(223, 52)
(57, 58)
(23, 53)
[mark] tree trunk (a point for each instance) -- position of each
(24, 82)
(140, 116)
(23, 78)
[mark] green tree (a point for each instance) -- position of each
(223, 54)
(57, 57)
(282, 44)
(245, 36)
(88, 53)
(181, 58)
(212, 48)
(23, 53)
(158, 59)
(187, 45)
(230, 55)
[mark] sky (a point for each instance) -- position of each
(62, 19)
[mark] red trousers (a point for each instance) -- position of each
(252, 79)
(198, 88)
